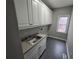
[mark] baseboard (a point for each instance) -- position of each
(57, 38)
(67, 51)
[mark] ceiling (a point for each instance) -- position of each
(58, 3)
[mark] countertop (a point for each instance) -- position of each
(26, 46)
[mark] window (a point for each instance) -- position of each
(62, 24)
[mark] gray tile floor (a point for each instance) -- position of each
(55, 49)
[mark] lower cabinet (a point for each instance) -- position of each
(36, 51)
(32, 54)
(42, 47)
(35, 56)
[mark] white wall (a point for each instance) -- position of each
(70, 39)
(59, 12)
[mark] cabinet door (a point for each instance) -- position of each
(41, 14)
(30, 12)
(48, 16)
(21, 12)
(35, 12)
(42, 46)
(45, 15)
(35, 56)
(32, 53)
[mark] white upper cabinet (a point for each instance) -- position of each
(51, 16)
(35, 12)
(41, 14)
(21, 12)
(32, 13)
(45, 14)
(48, 15)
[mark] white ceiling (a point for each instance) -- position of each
(58, 3)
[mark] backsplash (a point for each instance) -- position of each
(27, 32)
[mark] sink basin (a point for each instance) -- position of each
(37, 38)
(34, 40)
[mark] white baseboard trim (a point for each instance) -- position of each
(57, 38)
(67, 51)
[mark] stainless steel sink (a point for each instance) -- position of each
(34, 39)
(37, 38)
